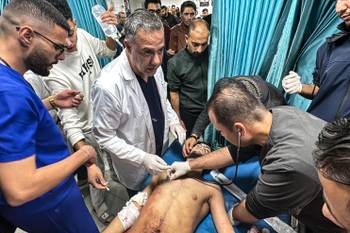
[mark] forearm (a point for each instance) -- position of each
(201, 123)
(79, 144)
(241, 214)
(19, 188)
(114, 227)
(175, 102)
(73, 125)
(47, 103)
(214, 160)
(119, 147)
(309, 91)
(111, 44)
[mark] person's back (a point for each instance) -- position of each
(175, 205)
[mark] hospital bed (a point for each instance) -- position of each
(248, 173)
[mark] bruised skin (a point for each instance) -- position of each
(175, 203)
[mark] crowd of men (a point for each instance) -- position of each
(112, 125)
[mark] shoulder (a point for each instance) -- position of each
(176, 28)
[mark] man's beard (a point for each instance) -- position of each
(37, 62)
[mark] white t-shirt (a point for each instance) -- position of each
(78, 71)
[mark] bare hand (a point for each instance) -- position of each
(91, 154)
(68, 99)
(188, 145)
(95, 177)
(109, 16)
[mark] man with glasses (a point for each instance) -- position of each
(38, 191)
(78, 71)
(180, 31)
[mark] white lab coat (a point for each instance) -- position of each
(121, 119)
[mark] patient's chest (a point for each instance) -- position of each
(171, 205)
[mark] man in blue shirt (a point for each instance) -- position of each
(330, 88)
(38, 192)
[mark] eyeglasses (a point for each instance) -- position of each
(58, 47)
(154, 11)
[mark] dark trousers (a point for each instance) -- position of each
(189, 119)
(6, 227)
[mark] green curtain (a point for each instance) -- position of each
(81, 10)
(268, 38)
(307, 25)
(3, 3)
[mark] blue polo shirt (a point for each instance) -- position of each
(26, 129)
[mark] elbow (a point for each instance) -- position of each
(17, 198)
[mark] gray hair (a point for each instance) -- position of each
(141, 19)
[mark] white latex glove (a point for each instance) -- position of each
(179, 169)
(155, 164)
(179, 132)
(291, 83)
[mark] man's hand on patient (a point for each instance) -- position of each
(179, 169)
(155, 164)
(188, 145)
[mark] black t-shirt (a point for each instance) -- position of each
(288, 182)
(151, 94)
(188, 74)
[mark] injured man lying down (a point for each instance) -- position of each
(173, 206)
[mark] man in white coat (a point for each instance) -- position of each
(131, 114)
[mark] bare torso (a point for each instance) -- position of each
(175, 206)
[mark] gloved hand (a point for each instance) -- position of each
(179, 169)
(179, 132)
(154, 164)
(291, 83)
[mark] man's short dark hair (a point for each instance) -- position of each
(332, 156)
(63, 7)
(231, 101)
(188, 4)
(40, 10)
(151, 1)
(164, 7)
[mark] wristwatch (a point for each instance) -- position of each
(51, 99)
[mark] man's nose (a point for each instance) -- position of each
(69, 42)
(157, 59)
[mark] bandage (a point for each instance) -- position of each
(128, 215)
(130, 212)
(140, 198)
(233, 221)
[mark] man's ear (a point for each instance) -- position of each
(127, 45)
(25, 35)
(239, 128)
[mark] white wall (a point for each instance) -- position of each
(134, 4)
